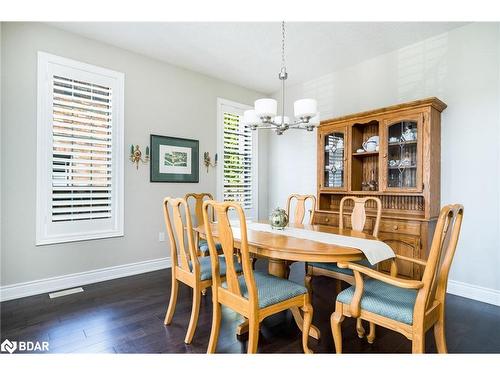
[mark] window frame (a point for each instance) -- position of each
(221, 102)
(46, 231)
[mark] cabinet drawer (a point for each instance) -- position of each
(326, 219)
(404, 227)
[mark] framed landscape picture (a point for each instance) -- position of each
(174, 159)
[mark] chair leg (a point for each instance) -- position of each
(253, 335)
(214, 334)
(308, 313)
(335, 321)
(308, 283)
(359, 328)
(439, 335)
(173, 301)
(418, 343)
(371, 334)
(195, 311)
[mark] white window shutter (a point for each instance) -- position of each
(80, 151)
(238, 161)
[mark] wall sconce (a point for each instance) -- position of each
(208, 162)
(136, 155)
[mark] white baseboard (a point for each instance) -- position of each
(51, 284)
(475, 292)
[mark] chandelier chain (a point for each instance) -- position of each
(283, 44)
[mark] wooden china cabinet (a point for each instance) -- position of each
(402, 169)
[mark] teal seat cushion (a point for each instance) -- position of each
(206, 267)
(383, 299)
(333, 267)
(272, 289)
(203, 246)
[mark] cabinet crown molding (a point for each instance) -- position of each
(427, 102)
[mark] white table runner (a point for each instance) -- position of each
(374, 250)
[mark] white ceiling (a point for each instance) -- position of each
(248, 53)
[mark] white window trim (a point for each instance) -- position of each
(44, 146)
(220, 151)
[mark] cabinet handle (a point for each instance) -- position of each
(327, 219)
(395, 227)
(385, 156)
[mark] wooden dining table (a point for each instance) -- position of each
(282, 250)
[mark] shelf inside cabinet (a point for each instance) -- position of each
(366, 153)
(402, 143)
(403, 168)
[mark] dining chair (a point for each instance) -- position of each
(199, 198)
(300, 207)
(358, 221)
(410, 307)
(254, 295)
(187, 266)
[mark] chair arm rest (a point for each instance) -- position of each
(413, 260)
(396, 281)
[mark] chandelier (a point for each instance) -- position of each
(264, 115)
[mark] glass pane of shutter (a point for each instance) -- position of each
(81, 152)
(237, 161)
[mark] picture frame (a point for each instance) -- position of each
(174, 159)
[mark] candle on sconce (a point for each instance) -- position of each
(136, 155)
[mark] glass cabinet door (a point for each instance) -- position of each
(334, 159)
(402, 164)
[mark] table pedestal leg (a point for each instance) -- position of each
(281, 268)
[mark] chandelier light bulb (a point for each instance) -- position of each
(305, 108)
(266, 107)
(250, 118)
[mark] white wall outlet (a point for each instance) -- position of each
(161, 236)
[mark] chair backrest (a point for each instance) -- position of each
(444, 244)
(358, 214)
(198, 205)
(226, 238)
(179, 230)
(300, 207)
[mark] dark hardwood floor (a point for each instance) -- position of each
(126, 316)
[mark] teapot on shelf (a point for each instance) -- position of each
(371, 144)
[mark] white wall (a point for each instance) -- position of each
(159, 99)
(461, 68)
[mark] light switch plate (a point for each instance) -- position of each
(161, 236)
